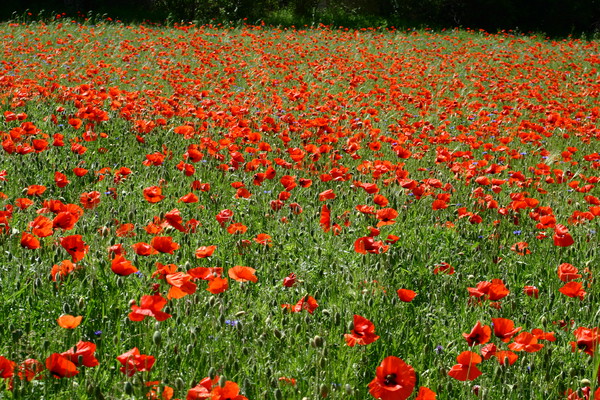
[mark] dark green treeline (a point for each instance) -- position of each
(552, 17)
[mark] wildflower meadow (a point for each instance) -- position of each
(213, 212)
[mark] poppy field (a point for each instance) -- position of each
(203, 212)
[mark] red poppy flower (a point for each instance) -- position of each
(188, 198)
(75, 246)
(362, 334)
(230, 391)
(41, 226)
(367, 244)
(531, 291)
(143, 249)
(67, 321)
(29, 241)
(521, 248)
(325, 218)
(153, 194)
(242, 274)
(525, 341)
(174, 219)
(31, 369)
(567, 272)
(504, 329)
(289, 280)
(466, 369)
(90, 200)
(587, 340)
(122, 266)
(394, 380)
(61, 270)
(224, 216)
(480, 334)
(406, 295)
(506, 357)
(60, 366)
(164, 244)
(425, 394)
(65, 220)
(307, 303)
(150, 306)
(132, 362)
(386, 216)
(205, 251)
(573, 289)
(237, 228)
(202, 390)
(36, 190)
(218, 285)
(562, 237)
(327, 195)
(7, 368)
(443, 268)
(181, 285)
(60, 179)
(82, 354)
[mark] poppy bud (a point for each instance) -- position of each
(240, 313)
(297, 329)
(16, 334)
(179, 383)
(318, 341)
(370, 302)
(157, 338)
(351, 325)
(189, 348)
(119, 282)
(131, 303)
(337, 318)
(323, 363)
(585, 383)
(212, 373)
(277, 394)
(79, 357)
(348, 389)
(81, 303)
(324, 390)
(222, 381)
(278, 334)
(222, 319)
(326, 312)
(128, 388)
(211, 301)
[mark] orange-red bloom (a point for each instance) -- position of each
(406, 295)
(242, 274)
(132, 362)
(466, 369)
(480, 334)
(363, 332)
(394, 380)
(68, 321)
(150, 306)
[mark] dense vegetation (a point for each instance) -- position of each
(553, 17)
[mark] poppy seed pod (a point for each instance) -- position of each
(278, 334)
(318, 341)
(157, 338)
(212, 373)
(324, 390)
(348, 389)
(128, 388)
